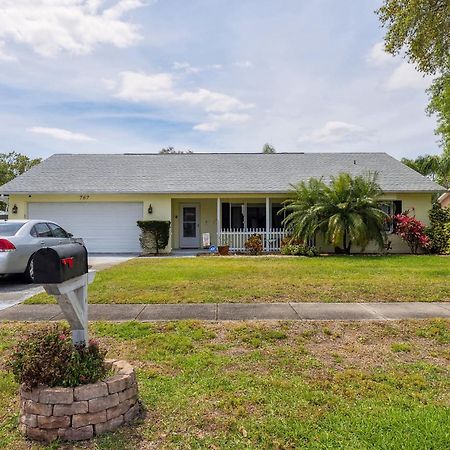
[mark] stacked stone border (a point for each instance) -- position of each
(75, 414)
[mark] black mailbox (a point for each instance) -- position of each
(59, 263)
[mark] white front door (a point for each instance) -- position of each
(189, 227)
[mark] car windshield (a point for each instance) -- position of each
(10, 229)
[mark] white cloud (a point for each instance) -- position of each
(148, 88)
(161, 88)
(405, 76)
(333, 132)
(211, 101)
(378, 57)
(75, 26)
(187, 68)
(217, 121)
(61, 134)
(243, 64)
(5, 56)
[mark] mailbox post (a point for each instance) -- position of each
(63, 272)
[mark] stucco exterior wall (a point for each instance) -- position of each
(161, 204)
(445, 202)
(167, 207)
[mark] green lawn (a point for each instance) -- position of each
(314, 385)
(272, 279)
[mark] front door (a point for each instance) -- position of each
(189, 232)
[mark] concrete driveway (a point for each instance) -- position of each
(13, 290)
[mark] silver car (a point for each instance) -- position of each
(20, 239)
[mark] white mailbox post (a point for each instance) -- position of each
(63, 271)
(72, 296)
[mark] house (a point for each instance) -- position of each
(444, 200)
(230, 196)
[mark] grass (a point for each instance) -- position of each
(281, 385)
(272, 279)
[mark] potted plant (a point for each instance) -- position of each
(223, 247)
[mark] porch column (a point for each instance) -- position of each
(219, 225)
(267, 223)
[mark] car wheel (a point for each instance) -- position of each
(29, 271)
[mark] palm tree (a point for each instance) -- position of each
(346, 212)
(436, 167)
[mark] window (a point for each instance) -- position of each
(41, 230)
(391, 208)
(236, 216)
(10, 229)
(256, 216)
(232, 216)
(57, 231)
(277, 218)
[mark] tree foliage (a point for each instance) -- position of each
(268, 148)
(439, 105)
(436, 167)
(155, 235)
(439, 229)
(172, 151)
(347, 211)
(421, 29)
(13, 164)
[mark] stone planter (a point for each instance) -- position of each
(75, 414)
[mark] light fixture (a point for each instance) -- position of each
(14, 209)
(150, 209)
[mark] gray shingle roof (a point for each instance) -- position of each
(207, 173)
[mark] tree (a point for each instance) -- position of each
(346, 212)
(13, 164)
(436, 167)
(268, 148)
(172, 151)
(421, 29)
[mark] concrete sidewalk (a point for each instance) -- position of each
(239, 311)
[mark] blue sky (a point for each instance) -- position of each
(100, 76)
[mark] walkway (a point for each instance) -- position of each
(239, 311)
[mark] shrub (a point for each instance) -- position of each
(154, 235)
(47, 356)
(412, 231)
(290, 240)
(254, 244)
(299, 250)
(439, 229)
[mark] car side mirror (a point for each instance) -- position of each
(70, 235)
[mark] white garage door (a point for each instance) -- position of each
(104, 227)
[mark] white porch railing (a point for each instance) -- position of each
(236, 238)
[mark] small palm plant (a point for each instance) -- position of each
(347, 211)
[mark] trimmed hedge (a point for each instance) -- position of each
(154, 235)
(439, 229)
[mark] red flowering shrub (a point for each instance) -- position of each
(47, 356)
(412, 231)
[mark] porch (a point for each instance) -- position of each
(203, 221)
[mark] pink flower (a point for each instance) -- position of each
(63, 337)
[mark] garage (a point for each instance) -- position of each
(105, 227)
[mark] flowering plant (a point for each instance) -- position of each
(47, 356)
(412, 231)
